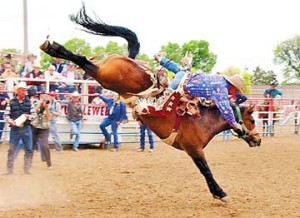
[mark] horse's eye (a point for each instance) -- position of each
(253, 121)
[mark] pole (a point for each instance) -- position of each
(25, 26)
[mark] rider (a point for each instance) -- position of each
(218, 88)
(272, 92)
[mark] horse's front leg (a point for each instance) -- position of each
(214, 188)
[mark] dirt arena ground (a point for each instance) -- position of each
(261, 182)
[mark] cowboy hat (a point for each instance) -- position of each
(236, 80)
(75, 94)
(8, 56)
(273, 83)
(20, 85)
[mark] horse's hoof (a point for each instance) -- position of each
(45, 45)
(225, 199)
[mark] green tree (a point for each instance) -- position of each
(79, 46)
(287, 54)
(114, 48)
(262, 77)
(174, 51)
(202, 58)
(46, 60)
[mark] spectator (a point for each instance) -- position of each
(36, 73)
(28, 66)
(9, 58)
(272, 91)
(6, 57)
(8, 73)
(69, 76)
(19, 114)
(4, 99)
(54, 78)
(59, 65)
(34, 98)
(116, 115)
(75, 117)
(143, 128)
(40, 129)
(55, 110)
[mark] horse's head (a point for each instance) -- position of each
(251, 135)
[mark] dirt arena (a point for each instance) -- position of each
(260, 182)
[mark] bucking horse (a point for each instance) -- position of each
(135, 82)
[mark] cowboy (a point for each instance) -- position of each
(175, 68)
(19, 114)
(272, 92)
(116, 115)
(217, 88)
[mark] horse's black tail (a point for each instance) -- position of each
(98, 27)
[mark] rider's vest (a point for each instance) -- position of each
(17, 108)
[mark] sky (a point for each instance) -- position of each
(242, 33)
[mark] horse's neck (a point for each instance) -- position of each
(212, 118)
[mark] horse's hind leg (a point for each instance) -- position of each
(214, 188)
(57, 50)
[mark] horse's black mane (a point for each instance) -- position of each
(214, 109)
(98, 27)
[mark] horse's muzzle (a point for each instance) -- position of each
(254, 142)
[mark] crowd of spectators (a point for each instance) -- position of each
(61, 75)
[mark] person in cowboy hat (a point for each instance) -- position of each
(116, 116)
(272, 91)
(20, 109)
(217, 88)
(75, 117)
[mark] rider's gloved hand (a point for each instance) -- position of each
(240, 98)
(157, 57)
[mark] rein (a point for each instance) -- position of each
(246, 130)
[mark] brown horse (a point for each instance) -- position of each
(268, 117)
(126, 77)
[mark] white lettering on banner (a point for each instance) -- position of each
(88, 110)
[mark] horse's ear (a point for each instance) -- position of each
(251, 108)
